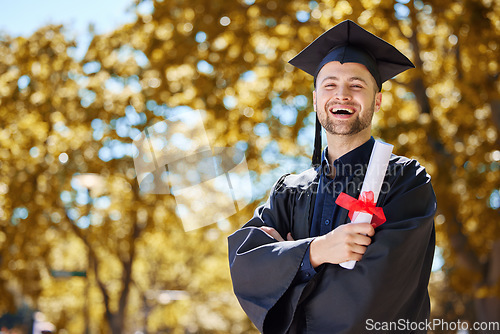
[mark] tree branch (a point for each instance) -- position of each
(93, 259)
(128, 263)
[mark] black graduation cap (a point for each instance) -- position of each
(347, 42)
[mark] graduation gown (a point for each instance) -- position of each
(389, 284)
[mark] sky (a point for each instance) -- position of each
(24, 17)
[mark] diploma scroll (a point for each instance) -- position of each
(377, 167)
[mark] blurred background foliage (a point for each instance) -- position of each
(82, 243)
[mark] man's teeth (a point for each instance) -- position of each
(342, 111)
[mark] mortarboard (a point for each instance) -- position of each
(347, 42)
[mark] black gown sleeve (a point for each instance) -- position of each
(262, 269)
(388, 287)
(389, 284)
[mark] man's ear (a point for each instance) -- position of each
(378, 101)
(314, 100)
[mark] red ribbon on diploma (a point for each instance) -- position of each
(365, 203)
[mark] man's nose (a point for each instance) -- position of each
(343, 93)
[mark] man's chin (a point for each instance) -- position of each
(343, 130)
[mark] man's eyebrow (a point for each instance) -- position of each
(358, 79)
(332, 77)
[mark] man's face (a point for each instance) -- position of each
(345, 98)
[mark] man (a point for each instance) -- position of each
(285, 260)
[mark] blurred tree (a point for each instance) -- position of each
(34, 87)
(79, 239)
(62, 117)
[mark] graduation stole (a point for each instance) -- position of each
(374, 176)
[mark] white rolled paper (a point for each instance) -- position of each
(374, 177)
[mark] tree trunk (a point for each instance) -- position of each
(486, 301)
(488, 307)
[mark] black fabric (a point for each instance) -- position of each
(351, 54)
(388, 284)
(348, 42)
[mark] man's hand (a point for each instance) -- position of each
(346, 242)
(273, 233)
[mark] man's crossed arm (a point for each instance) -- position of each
(345, 243)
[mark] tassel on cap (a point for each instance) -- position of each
(316, 158)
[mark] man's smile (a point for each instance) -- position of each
(342, 111)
